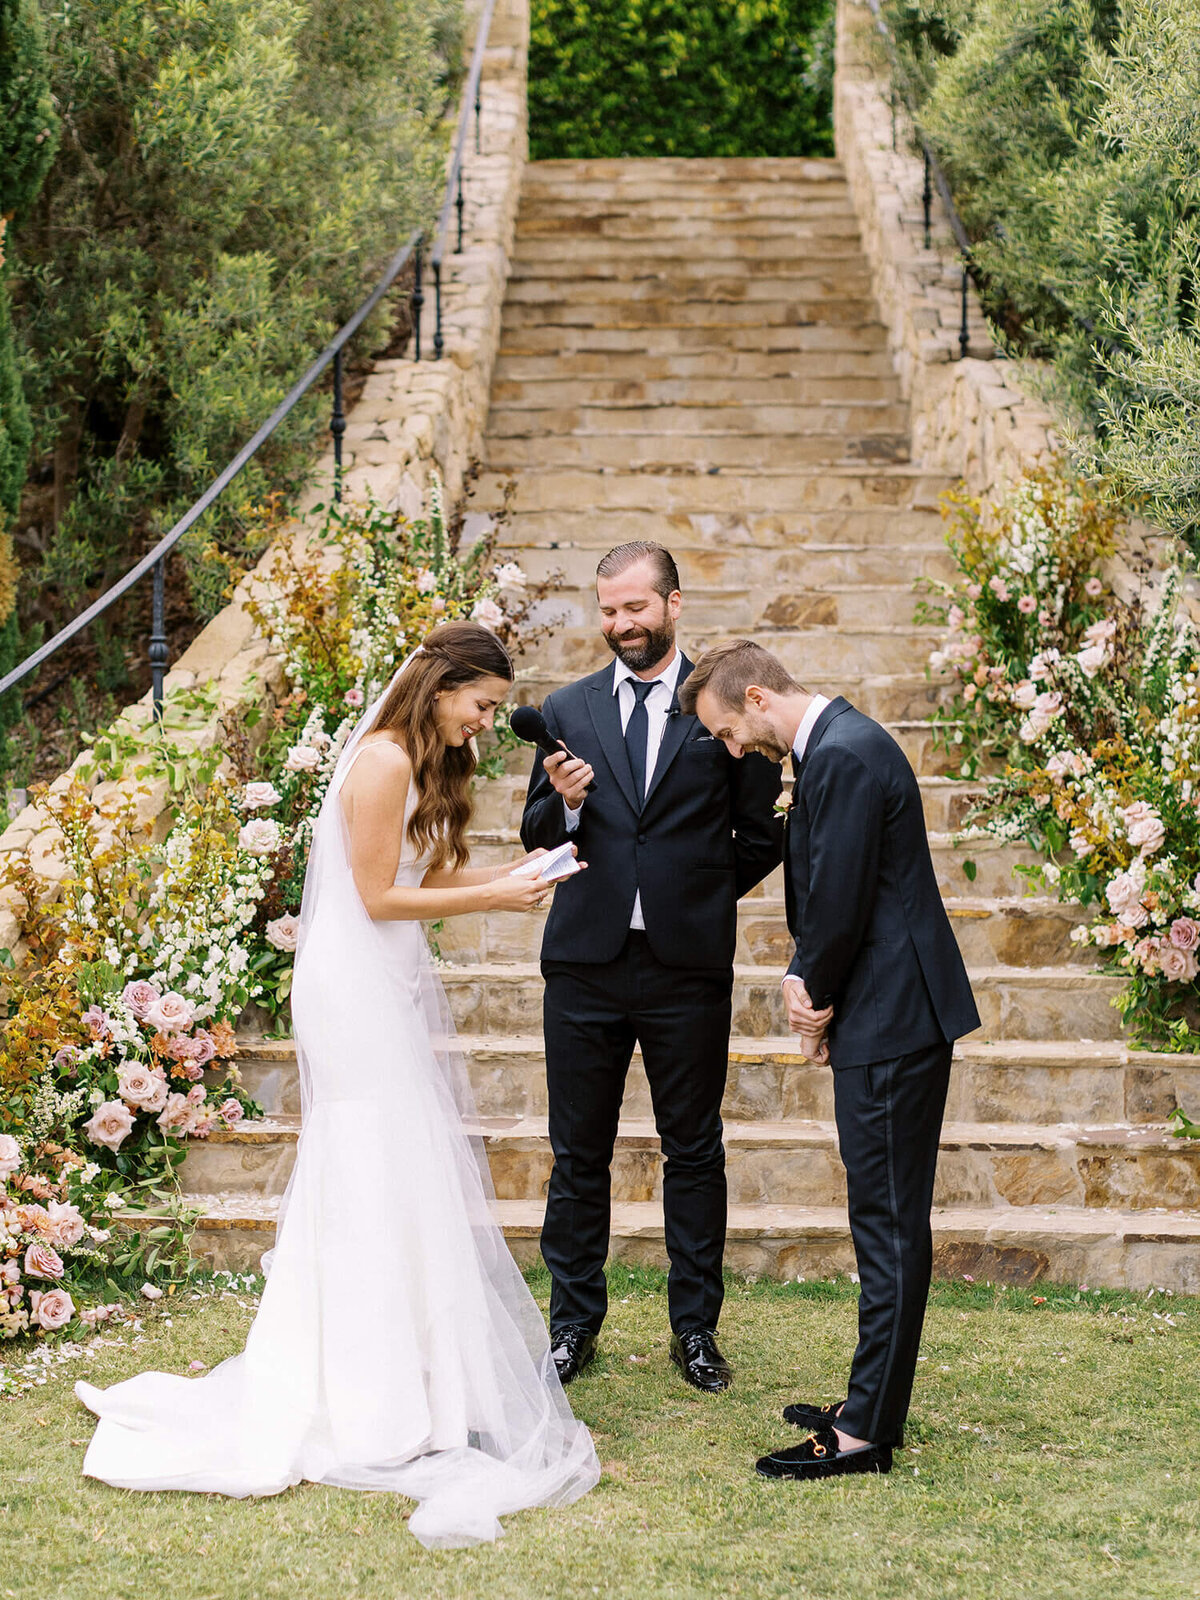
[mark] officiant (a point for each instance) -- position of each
(638, 951)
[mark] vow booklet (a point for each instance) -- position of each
(560, 863)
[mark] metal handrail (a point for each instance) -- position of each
(155, 560)
(933, 175)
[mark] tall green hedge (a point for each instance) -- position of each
(1070, 132)
(680, 77)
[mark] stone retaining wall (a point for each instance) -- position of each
(412, 419)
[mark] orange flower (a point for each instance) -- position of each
(224, 1038)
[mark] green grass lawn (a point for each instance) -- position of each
(1053, 1451)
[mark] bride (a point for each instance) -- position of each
(397, 1346)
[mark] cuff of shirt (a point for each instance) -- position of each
(572, 817)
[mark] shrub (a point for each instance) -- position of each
(662, 77)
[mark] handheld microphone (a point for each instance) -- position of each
(529, 725)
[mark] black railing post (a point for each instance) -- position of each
(479, 115)
(439, 344)
(458, 206)
(160, 653)
(418, 301)
(964, 336)
(337, 425)
(927, 199)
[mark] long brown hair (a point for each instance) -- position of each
(455, 654)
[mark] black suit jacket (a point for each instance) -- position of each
(872, 935)
(706, 833)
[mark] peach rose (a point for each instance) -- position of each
(176, 1115)
(142, 1087)
(51, 1310)
(10, 1155)
(42, 1262)
(110, 1124)
(1184, 933)
(171, 1013)
(284, 932)
(1143, 827)
(139, 997)
(1176, 965)
(64, 1223)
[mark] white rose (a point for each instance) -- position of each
(510, 576)
(172, 1012)
(488, 614)
(303, 758)
(257, 795)
(284, 932)
(1092, 659)
(260, 836)
(10, 1155)
(1024, 695)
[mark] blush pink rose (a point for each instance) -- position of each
(176, 1115)
(257, 795)
(64, 1223)
(1094, 588)
(1176, 965)
(1124, 895)
(303, 758)
(52, 1310)
(231, 1112)
(205, 1045)
(488, 614)
(1024, 694)
(202, 1126)
(142, 1087)
(1101, 632)
(353, 698)
(1092, 659)
(1146, 953)
(284, 932)
(261, 836)
(1184, 933)
(171, 1013)
(42, 1262)
(139, 997)
(10, 1155)
(97, 1022)
(1026, 605)
(1143, 827)
(110, 1124)
(998, 587)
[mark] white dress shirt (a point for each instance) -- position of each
(799, 745)
(658, 705)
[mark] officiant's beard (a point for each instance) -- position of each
(645, 649)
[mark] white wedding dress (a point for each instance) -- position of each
(397, 1346)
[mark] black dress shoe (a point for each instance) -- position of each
(571, 1349)
(696, 1355)
(820, 1457)
(805, 1416)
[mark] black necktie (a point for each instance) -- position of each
(637, 732)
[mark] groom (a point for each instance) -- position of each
(639, 950)
(878, 989)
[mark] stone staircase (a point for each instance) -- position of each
(690, 353)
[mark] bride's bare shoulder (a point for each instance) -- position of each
(381, 763)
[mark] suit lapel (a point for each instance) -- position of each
(832, 711)
(605, 711)
(674, 733)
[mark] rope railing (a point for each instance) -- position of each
(154, 561)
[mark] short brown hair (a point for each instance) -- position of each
(728, 670)
(662, 562)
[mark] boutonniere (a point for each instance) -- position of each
(785, 802)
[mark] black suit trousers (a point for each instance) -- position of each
(889, 1118)
(594, 1015)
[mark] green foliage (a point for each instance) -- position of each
(230, 177)
(1071, 137)
(662, 77)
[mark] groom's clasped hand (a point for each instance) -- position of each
(668, 780)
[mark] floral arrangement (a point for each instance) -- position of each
(142, 954)
(1093, 705)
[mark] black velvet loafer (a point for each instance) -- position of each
(696, 1355)
(819, 1457)
(571, 1349)
(802, 1415)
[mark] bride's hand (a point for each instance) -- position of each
(511, 866)
(507, 893)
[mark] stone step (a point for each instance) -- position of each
(1014, 1002)
(769, 599)
(809, 228)
(679, 342)
(592, 196)
(821, 284)
(712, 366)
(1025, 1244)
(697, 453)
(792, 1162)
(653, 421)
(991, 931)
(900, 702)
(567, 172)
(817, 579)
(775, 495)
(727, 252)
(886, 650)
(1041, 1082)
(631, 396)
(536, 273)
(800, 309)
(500, 801)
